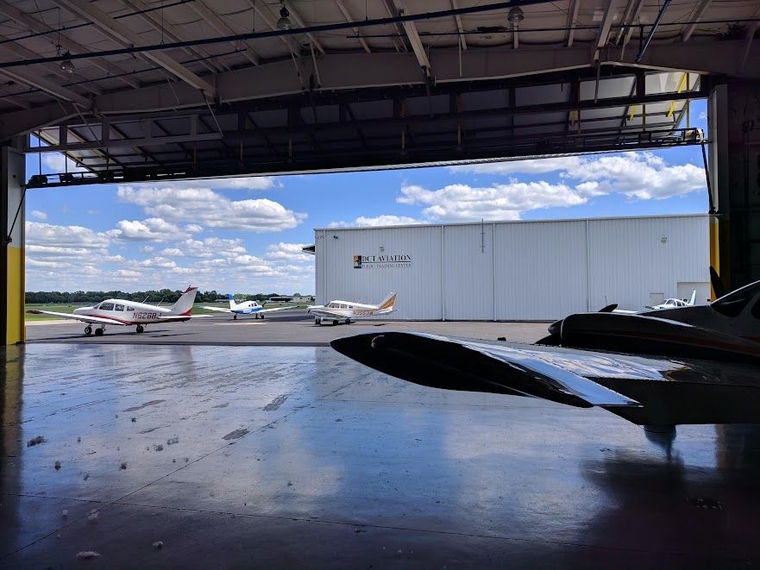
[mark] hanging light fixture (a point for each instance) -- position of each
(284, 22)
(515, 15)
(67, 66)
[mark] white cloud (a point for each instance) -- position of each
(463, 203)
(377, 221)
(152, 229)
(38, 215)
(58, 162)
(288, 252)
(203, 206)
(638, 175)
(529, 166)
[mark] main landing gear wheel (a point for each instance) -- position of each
(317, 321)
(98, 332)
(234, 317)
(335, 322)
(140, 328)
(88, 330)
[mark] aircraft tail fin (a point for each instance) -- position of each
(387, 304)
(693, 297)
(233, 304)
(184, 305)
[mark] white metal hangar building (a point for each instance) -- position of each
(524, 270)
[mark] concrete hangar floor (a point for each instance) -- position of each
(252, 444)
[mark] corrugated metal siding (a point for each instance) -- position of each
(468, 272)
(514, 270)
(631, 258)
(540, 270)
(417, 282)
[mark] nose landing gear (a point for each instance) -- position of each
(88, 330)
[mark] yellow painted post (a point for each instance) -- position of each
(13, 174)
(714, 249)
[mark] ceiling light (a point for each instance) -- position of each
(67, 66)
(284, 22)
(515, 15)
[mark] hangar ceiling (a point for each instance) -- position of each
(139, 90)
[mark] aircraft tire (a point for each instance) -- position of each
(98, 332)
(234, 317)
(318, 321)
(88, 330)
(335, 322)
(140, 328)
(348, 321)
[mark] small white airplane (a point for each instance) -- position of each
(128, 313)
(346, 311)
(245, 308)
(672, 303)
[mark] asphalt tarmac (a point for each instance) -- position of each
(251, 444)
(292, 327)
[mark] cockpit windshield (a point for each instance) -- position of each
(734, 303)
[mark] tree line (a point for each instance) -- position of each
(152, 296)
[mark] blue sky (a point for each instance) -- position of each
(245, 235)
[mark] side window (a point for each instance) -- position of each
(129, 309)
(119, 307)
(106, 306)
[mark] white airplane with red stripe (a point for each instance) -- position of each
(128, 313)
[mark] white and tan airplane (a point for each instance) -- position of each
(245, 308)
(336, 312)
(128, 313)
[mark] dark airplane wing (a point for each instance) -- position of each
(650, 390)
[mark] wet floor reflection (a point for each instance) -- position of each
(279, 439)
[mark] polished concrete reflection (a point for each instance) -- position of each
(296, 457)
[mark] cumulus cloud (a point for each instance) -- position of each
(203, 206)
(288, 252)
(377, 221)
(38, 215)
(152, 229)
(636, 175)
(639, 175)
(461, 202)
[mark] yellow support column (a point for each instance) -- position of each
(11, 179)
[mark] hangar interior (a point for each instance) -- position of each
(291, 456)
(133, 90)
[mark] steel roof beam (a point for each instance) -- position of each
(158, 23)
(342, 7)
(460, 27)
(123, 35)
(414, 39)
(694, 17)
(572, 18)
(65, 43)
(603, 37)
(222, 28)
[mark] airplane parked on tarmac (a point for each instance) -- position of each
(687, 365)
(674, 303)
(128, 313)
(245, 308)
(346, 311)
